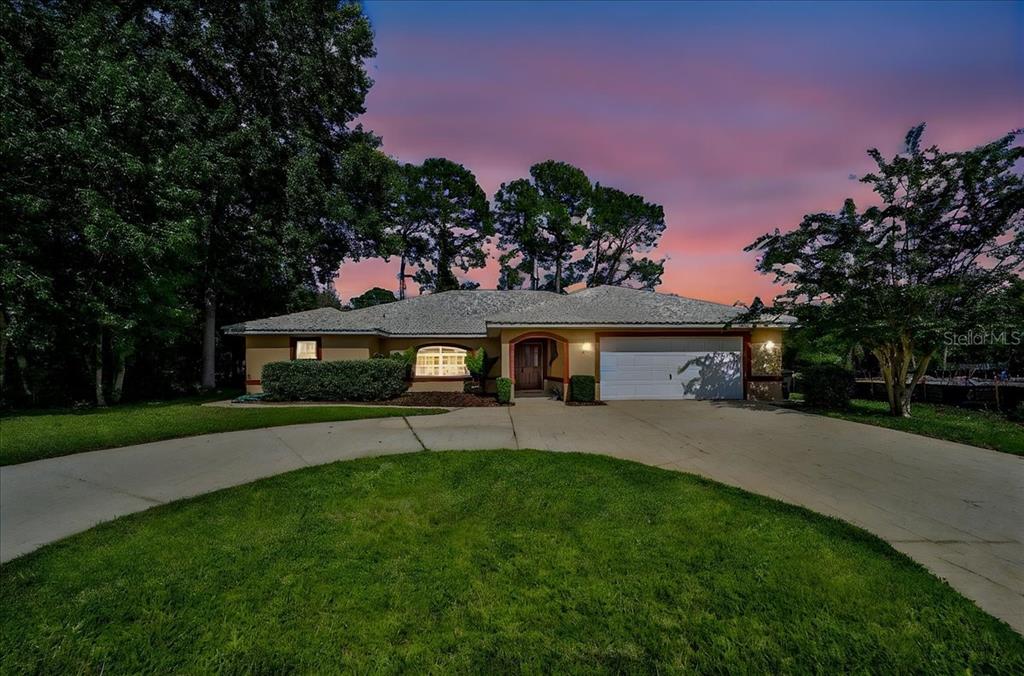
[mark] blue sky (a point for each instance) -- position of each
(737, 117)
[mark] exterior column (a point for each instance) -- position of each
(564, 342)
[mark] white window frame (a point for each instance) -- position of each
(441, 361)
(306, 354)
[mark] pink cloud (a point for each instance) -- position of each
(731, 145)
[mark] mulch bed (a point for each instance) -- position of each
(451, 399)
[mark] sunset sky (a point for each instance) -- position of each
(737, 118)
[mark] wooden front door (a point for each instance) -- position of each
(529, 366)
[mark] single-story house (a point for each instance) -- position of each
(637, 344)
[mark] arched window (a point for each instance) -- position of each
(440, 360)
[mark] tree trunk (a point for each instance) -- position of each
(209, 376)
(118, 387)
(900, 405)
(885, 367)
(401, 279)
(919, 373)
(888, 361)
(533, 273)
(120, 366)
(100, 399)
(895, 361)
(22, 363)
(3, 351)
(597, 265)
(558, 274)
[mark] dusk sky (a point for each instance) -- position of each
(737, 118)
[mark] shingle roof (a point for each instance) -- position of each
(452, 313)
(325, 319)
(469, 313)
(620, 305)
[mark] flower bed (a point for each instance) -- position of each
(450, 399)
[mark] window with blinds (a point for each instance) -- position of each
(305, 349)
(439, 360)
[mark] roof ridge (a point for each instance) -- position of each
(662, 293)
(299, 312)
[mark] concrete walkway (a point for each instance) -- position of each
(956, 509)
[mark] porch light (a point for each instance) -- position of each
(586, 347)
(770, 345)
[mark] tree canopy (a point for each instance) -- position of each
(621, 226)
(174, 166)
(518, 213)
(897, 278)
(371, 297)
(169, 167)
(556, 229)
(457, 222)
(565, 193)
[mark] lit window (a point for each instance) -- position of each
(305, 349)
(441, 361)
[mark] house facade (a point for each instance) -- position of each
(636, 344)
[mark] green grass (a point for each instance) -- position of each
(977, 428)
(487, 561)
(46, 434)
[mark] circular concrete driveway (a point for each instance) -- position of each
(956, 509)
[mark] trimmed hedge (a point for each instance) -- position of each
(359, 380)
(504, 386)
(827, 386)
(581, 388)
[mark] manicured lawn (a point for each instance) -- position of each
(488, 561)
(977, 428)
(46, 434)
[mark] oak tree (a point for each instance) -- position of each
(898, 277)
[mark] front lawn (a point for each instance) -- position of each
(977, 428)
(496, 561)
(46, 434)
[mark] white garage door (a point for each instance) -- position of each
(672, 368)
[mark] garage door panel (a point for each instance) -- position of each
(698, 368)
(712, 375)
(640, 344)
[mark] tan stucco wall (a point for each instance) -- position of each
(440, 386)
(588, 361)
(260, 350)
(346, 348)
(765, 360)
(492, 345)
(766, 352)
(582, 348)
(764, 391)
(762, 335)
(583, 355)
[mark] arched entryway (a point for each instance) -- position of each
(538, 358)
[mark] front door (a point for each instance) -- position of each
(529, 366)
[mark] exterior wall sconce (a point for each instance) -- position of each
(585, 347)
(770, 345)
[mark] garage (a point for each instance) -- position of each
(674, 367)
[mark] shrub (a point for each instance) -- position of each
(504, 386)
(827, 385)
(581, 388)
(308, 380)
(407, 358)
(476, 362)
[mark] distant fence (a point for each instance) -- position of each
(968, 393)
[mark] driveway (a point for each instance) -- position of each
(956, 509)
